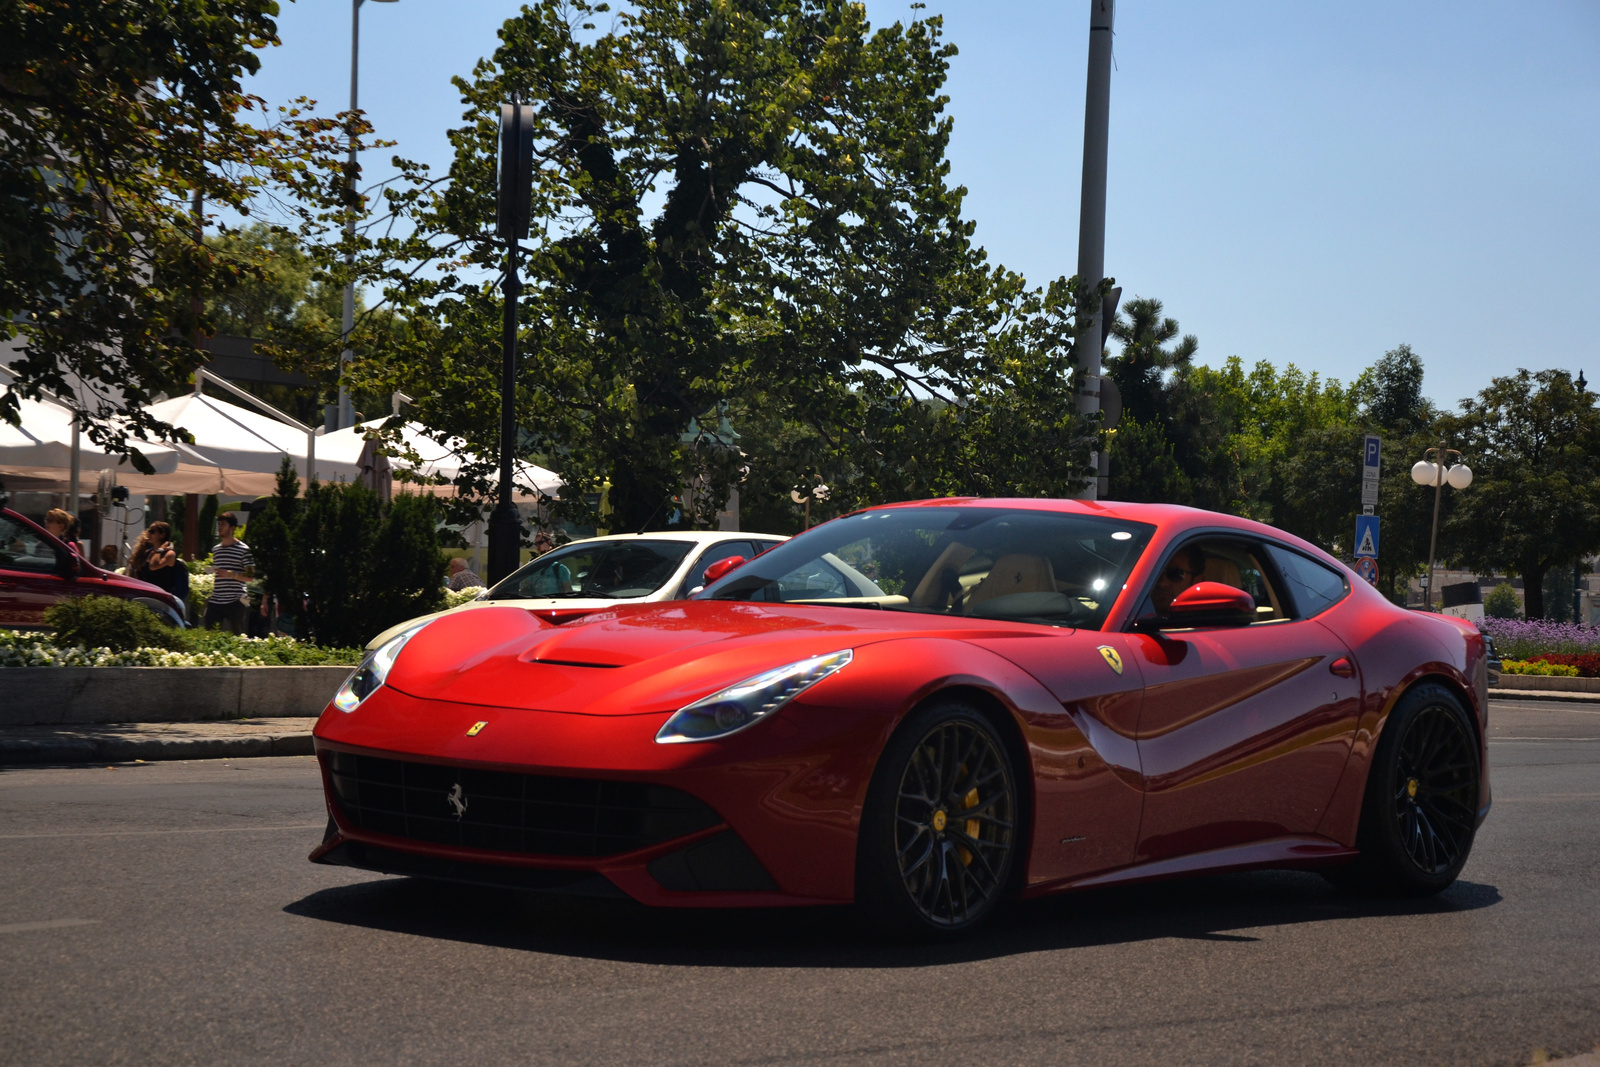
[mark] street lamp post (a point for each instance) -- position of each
(511, 224)
(342, 416)
(1435, 473)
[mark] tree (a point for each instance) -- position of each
(741, 202)
(1501, 603)
(1144, 371)
(284, 299)
(363, 566)
(120, 124)
(271, 539)
(1533, 441)
(1394, 393)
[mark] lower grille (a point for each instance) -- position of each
(542, 815)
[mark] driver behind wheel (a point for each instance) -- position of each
(1185, 568)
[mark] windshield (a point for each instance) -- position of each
(607, 569)
(991, 563)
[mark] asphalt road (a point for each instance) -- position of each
(165, 913)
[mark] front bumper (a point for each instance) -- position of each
(777, 806)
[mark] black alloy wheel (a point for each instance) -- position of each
(941, 828)
(1435, 789)
(1421, 808)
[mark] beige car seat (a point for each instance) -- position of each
(1222, 570)
(1014, 574)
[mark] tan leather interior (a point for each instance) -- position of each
(942, 576)
(1015, 574)
(1222, 570)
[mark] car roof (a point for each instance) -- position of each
(1162, 516)
(700, 537)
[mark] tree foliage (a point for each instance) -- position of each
(741, 202)
(1535, 500)
(121, 125)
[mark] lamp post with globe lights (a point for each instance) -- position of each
(1436, 472)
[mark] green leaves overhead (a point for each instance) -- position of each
(121, 124)
(743, 202)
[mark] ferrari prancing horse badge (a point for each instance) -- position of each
(1113, 659)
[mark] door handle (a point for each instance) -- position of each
(1343, 667)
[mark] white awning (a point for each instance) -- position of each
(443, 460)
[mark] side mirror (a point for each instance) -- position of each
(1210, 604)
(67, 565)
(722, 567)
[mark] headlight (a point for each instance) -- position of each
(373, 670)
(751, 700)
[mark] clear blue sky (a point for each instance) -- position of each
(1298, 182)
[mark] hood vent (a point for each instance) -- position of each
(574, 663)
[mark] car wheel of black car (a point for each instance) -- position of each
(1421, 807)
(942, 826)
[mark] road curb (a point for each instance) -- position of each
(81, 696)
(32, 751)
(1543, 694)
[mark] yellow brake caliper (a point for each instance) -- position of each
(971, 825)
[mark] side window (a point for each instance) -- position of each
(1315, 587)
(22, 549)
(717, 552)
(1234, 563)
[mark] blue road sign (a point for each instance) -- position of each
(1367, 567)
(1370, 454)
(1366, 536)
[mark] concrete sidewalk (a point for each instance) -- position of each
(122, 742)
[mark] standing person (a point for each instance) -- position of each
(233, 565)
(461, 576)
(542, 543)
(154, 560)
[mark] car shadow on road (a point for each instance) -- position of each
(1225, 907)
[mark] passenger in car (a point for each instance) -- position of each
(1185, 568)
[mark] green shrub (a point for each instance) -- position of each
(1501, 603)
(345, 565)
(109, 622)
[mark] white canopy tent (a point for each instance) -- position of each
(236, 452)
(443, 460)
(41, 449)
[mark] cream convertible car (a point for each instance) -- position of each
(601, 572)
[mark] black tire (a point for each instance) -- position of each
(1420, 812)
(942, 828)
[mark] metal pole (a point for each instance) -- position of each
(201, 376)
(505, 525)
(342, 416)
(1433, 540)
(1577, 585)
(1092, 216)
(76, 471)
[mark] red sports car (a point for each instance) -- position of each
(926, 709)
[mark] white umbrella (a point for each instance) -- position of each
(443, 460)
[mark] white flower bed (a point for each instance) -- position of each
(35, 650)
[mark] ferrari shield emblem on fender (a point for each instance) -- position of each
(1113, 658)
(477, 728)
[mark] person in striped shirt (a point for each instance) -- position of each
(233, 565)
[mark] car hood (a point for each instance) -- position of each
(550, 609)
(642, 659)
